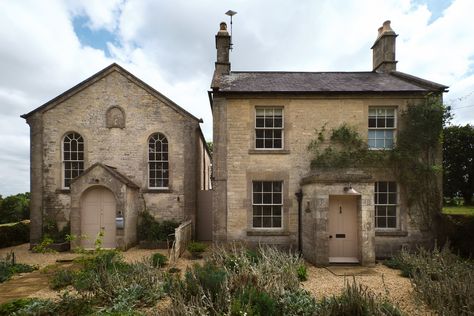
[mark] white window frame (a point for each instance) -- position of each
(396, 205)
(282, 128)
(392, 129)
(267, 204)
(158, 134)
(80, 139)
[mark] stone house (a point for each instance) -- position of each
(108, 148)
(264, 188)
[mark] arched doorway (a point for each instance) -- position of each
(98, 207)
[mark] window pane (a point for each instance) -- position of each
(380, 122)
(267, 198)
(276, 221)
(278, 122)
(381, 222)
(391, 211)
(391, 222)
(257, 198)
(392, 198)
(257, 186)
(276, 210)
(372, 122)
(267, 210)
(257, 210)
(277, 198)
(268, 133)
(269, 214)
(257, 222)
(390, 122)
(381, 211)
(371, 143)
(268, 122)
(267, 222)
(267, 186)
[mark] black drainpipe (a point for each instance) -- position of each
(299, 197)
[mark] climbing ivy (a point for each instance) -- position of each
(415, 160)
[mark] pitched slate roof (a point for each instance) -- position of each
(325, 82)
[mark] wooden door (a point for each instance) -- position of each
(342, 229)
(98, 214)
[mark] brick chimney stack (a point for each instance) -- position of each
(223, 48)
(384, 49)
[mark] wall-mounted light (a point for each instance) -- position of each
(350, 190)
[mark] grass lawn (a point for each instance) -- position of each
(459, 210)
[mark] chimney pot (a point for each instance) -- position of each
(222, 65)
(384, 49)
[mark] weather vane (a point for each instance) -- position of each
(231, 14)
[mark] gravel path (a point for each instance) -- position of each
(321, 282)
(384, 281)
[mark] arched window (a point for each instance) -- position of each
(73, 157)
(158, 167)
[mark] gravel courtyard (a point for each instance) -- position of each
(321, 282)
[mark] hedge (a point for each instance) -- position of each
(14, 234)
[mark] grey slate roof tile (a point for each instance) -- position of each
(324, 82)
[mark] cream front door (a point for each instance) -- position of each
(98, 214)
(342, 229)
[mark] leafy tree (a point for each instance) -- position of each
(458, 162)
(15, 208)
(210, 145)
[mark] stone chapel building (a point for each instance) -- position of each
(108, 148)
(264, 188)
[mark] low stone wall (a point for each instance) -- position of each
(183, 235)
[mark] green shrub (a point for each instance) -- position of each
(14, 234)
(151, 230)
(236, 281)
(401, 263)
(117, 284)
(302, 272)
(43, 246)
(297, 303)
(260, 303)
(442, 280)
(196, 248)
(209, 278)
(51, 230)
(356, 299)
(61, 279)
(8, 267)
(158, 260)
(13, 306)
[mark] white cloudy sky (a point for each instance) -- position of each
(48, 46)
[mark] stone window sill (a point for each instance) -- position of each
(268, 152)
(392, 233)
(267, 233)
(157, 191)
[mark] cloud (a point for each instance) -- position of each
(170, 45)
